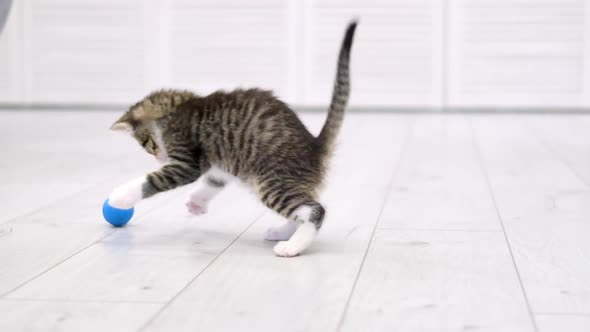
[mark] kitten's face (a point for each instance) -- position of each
(141, 119)
(145, 132)
(147, 139)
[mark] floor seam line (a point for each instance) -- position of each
(171, 300)
(375, 226)
(3, 296)
(113, 231)
(501, 220)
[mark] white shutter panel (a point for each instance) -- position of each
(85, 51)
(517, 52)
(228, 44)
(11, 82)
(397, 55)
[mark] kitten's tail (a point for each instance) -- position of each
(340, 94)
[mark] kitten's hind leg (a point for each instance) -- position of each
(310, 215)
(208, 186)
(296, 203)
(283, 232)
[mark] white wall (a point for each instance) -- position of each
(407, 52)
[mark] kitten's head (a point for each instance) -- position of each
(141, 120)
(143, 129)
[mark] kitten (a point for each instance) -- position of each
(248, 135)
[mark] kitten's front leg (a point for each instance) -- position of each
(172, 175)
(207, 187)
(127, 195)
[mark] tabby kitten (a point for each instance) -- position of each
(248, 135)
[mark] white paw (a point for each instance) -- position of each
(127, 195)
(287, 249)
(281, 233)
(298, 242)
(196, 207)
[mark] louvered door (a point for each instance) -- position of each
(397, 53)
(517, 52)
(11, 64)
(226, 44)
(87, 51)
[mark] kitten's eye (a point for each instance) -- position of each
(145, 142)
(148, 145)
(152, 147)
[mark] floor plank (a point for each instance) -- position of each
(559, 323)
(26, 250)
(568, 138)
(38, 241)
(438, 281)
(149, 260)
(440, 184)
(41, 316)
(543, 205)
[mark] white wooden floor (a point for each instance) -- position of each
(435, 223)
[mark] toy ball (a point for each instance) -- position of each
(116, 217)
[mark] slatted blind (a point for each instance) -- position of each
(517, 52)
(397, 52)
(85, 51)
(407, 52)
(226, 44)
(11, 59)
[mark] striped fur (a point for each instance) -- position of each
(341, 92)
(249, 134)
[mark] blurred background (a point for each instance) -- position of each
(472, 54)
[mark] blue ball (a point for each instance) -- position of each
(116, 217)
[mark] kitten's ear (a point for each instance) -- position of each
(147, 111)
(123, 126)
(139, 112)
